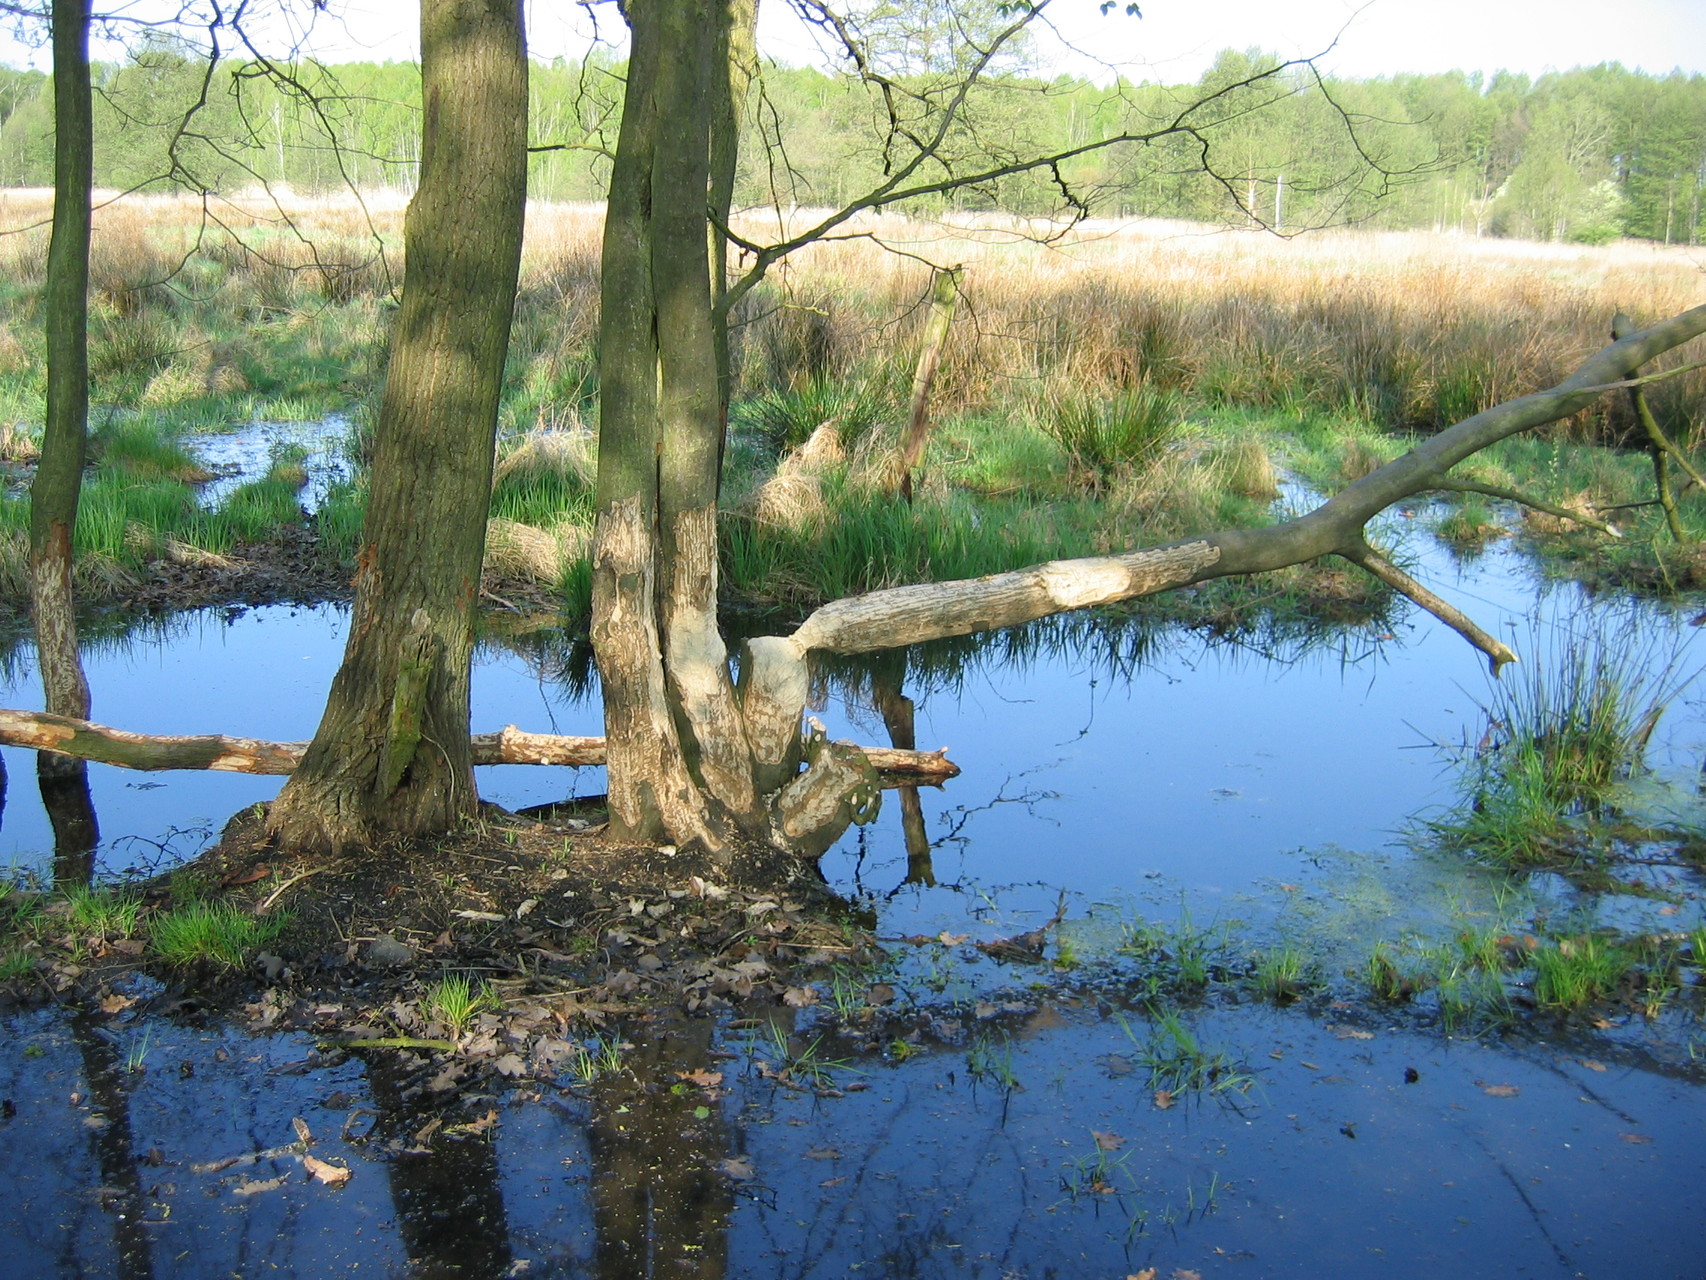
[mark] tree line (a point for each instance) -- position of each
(1585, 155)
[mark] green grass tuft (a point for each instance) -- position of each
(213, 933)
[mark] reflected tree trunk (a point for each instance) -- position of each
(71, 813)
(447, 1197)
(897, 709)
(661, 1202)
(121, 1190)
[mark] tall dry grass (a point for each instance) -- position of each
(1408, 330)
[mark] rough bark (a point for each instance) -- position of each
(391, 752)
(58, 480)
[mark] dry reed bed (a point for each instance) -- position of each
(1406, 329)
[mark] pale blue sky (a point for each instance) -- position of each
(1175, 39)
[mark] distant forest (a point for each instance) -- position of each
(1586, 155)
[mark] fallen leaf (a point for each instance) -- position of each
(510, 1065)
(879, 994)
(254, 1188)
(739, 1168)
(832, 1182)
(303, 1134)
(115, 1003)
(333, 1175)
(799, 997)
(1107, 1141)
(1290, 888)
(1500, 1090)
(702, 1079)
(1183, 1274)
(1148, 1273)
(1591, 1065)
(1351, 1033)
(491, 917)
(951, 939)
(246, 877)
(823, 1153)
(1163, 1099)
(1667, 911)
(1635, 1139)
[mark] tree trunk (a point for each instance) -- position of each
(392, 750)
(59, 474)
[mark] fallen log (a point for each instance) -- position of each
(103, 744)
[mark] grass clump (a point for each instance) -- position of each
(1283, 974)
(785, 417)
(104, 914)
(1111, 436)
(213, 933)
(1178, 1063)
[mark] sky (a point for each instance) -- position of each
(1175, 40)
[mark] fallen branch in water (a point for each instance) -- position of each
(86, 740)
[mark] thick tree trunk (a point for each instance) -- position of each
(59, 474)
(680, 767)
(392, 752)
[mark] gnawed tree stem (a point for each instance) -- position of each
(84, 740)
(908, 615)
(838, 788)
(57, 486)
(944, 291)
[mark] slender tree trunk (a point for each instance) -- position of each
(59, 474)
(733, 69)
(392, 750)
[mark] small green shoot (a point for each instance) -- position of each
(597, 1058)
(456, 1000)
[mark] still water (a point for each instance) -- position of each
(1268, 782)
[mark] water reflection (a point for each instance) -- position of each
(661, 1200)
(108, 1125)
(445, 1190)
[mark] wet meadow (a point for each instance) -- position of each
(1262, 933)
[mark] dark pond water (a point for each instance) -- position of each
(1257, 786)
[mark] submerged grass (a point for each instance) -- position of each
(1560, 732)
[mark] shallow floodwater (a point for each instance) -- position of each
(1117, 777)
